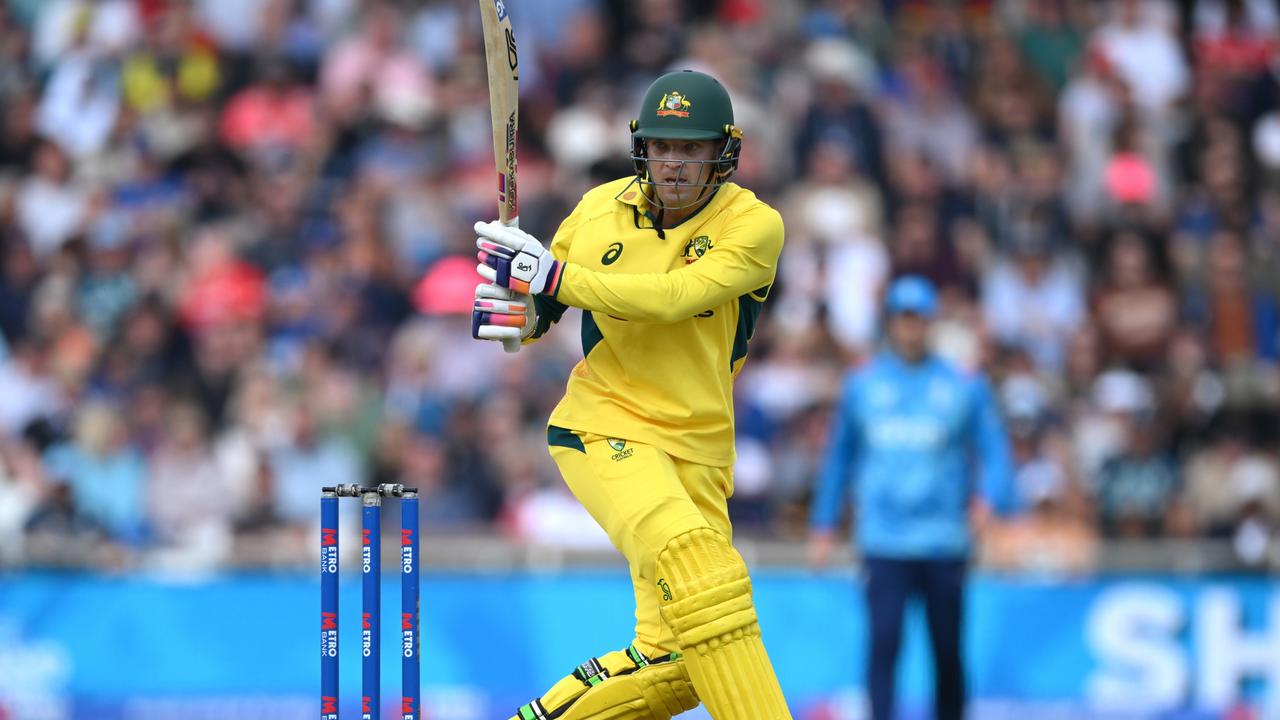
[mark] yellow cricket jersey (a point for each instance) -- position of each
(665, 320)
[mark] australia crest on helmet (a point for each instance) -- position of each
(674, 103)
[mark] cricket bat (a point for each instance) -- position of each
(502, 64)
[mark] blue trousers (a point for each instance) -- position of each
(939, 583)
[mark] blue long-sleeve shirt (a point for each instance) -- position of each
(915, 441)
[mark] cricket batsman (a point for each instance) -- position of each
(671, 267)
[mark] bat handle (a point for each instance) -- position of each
(512, 346)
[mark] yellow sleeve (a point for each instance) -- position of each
(744, 259)
(564, 234)
(549, 309)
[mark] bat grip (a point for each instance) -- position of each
(512, 346)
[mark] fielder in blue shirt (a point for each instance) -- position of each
(922, 446)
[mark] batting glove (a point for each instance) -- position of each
(514, 259)
(502, 314)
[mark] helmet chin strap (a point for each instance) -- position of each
(662, 207)
(718, 171)
(647, 182)
(657, 200)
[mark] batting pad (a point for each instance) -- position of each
(706, 599)
(621, 685)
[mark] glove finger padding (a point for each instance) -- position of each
(516, 271)
(501, 314)
(516, 260)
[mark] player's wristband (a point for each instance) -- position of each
(554, 277)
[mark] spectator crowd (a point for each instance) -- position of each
(235, 256)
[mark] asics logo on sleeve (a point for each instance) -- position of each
(612, 254)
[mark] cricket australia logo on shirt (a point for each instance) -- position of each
(696, 248)
(622, 452)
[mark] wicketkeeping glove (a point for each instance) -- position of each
(514, 259)
(502, 314)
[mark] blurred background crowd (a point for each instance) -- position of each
(236, 258)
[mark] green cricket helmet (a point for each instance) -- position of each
(687, 105)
